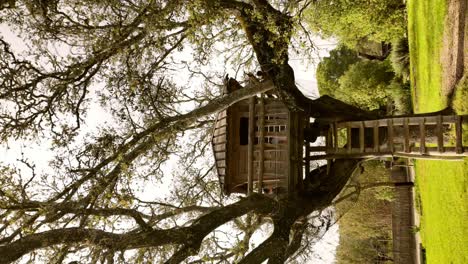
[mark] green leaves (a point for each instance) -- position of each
(364, 84)
(351, 21)
(331, 68)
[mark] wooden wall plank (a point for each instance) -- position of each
(219, 148)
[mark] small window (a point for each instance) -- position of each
(244, 131)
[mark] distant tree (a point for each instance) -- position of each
(331, 68)
(362, 83)
(351, 21)
(365, 84)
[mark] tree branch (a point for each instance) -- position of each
(186, 236)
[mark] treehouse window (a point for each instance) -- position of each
(244, 131)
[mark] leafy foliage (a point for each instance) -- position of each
(364, 84)
(351, 21)
(400, 58)
(331, 68)
(366, 224)
(401, 97)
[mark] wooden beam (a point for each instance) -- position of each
(412, 120)
(307, 161)
(261, 141)
(429, 157)
(440, 134)
(335, 136)
(361, 138)
(422, 136)
(416, 155)
(406, 135)
(348, 138)
(316, 148)
(458, 135)
(390, 134)
(350, 156)
(376, 136)
(328, 138)
(250, 155)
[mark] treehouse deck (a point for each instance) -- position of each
(422, 137)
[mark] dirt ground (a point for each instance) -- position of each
(454, 55)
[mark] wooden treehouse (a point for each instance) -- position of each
(259, 144)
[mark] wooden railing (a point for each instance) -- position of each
(389, 145)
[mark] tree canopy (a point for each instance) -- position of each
(331, 68)
(365, 84)
(100, 83)
(360, 82)
(353, 21)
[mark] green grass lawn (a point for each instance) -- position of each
(425, 30)
(442, 185)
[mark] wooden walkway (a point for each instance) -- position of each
(423, 137)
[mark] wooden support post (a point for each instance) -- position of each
(335, 136)
(307, 160)
(328, 140)
(422, 136)
(458, 135)
(440, 134)
(376, 137)
(329, 164)
(348, 138)
(390, 134)
(406, 135)
(250, 157)
(361, 137)
(261, 141)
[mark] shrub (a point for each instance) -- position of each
(401, 97)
